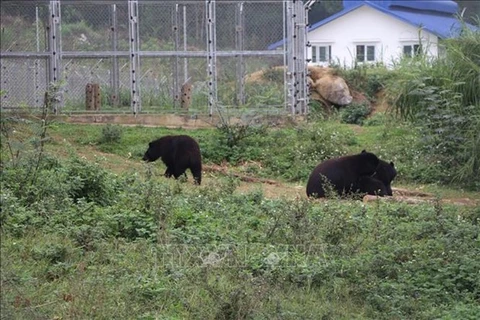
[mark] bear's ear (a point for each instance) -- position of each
(363, 151)
(391, 163)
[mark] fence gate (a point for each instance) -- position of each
(142, 53)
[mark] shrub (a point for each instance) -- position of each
(111, 134)
(89, 182)
(355, 113)
(441, 97)
(366, 79)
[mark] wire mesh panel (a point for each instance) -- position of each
(23, 26)
(145, 54)
(263, 24)
(264, 84)
(78, 73)
(192, 26)
(86, 26)
(225, 25)
(23, 29)
(157, 25)
(23, 82)
(156, 83)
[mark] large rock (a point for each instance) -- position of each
(333, 89)
(326, 86)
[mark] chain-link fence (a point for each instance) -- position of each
(150, 56)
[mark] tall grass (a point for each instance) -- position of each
(442, 97)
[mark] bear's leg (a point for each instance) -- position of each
(372, 186)
(178, 171)
(197, 173)
(168, 173)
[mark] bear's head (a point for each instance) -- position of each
(385, 172)
(153, 152)
(369, 163)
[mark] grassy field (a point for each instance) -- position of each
(89, 231)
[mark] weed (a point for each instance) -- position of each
(111, 134)
(355, 113)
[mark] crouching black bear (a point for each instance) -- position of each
(359, 174)
(342, 174)
(379, 183)
(179, 153)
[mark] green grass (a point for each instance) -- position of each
(96, 233)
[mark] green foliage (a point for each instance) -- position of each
(204, 251)
(441, 97)
(369, 80)
(377, 119)
(111, 134)
(89, 182)
(355, 113)
(167, 249)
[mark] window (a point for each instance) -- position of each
(411, 50)
(365, 53)
(321, 53)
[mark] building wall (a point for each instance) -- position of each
(368, 26)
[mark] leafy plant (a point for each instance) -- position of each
(111, 134)
(441, 97)
(355, 113)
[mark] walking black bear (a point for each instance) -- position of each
(179, 153)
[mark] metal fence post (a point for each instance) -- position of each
(38, 103)
(185, 60)
(307, 8)
(211, 55)
(55, 51)
(175, 64)
(290, 56)
(134, 56)
(239, 46)
(296, 58)
(115, 81)
(300, 62)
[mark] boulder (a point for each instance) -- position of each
(327, 87)
(333, 89)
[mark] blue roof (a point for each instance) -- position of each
(442, 24)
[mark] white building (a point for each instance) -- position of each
(381, 32)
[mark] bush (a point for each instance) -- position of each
(441, 97)
(355, 113)
(366, 79)
(111, 134)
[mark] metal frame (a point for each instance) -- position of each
(115, 79)
(134, 56)
(211, 55)
(294, 52)
(239, 45)
(55, 50)
(296, 42)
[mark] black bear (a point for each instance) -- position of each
(379, 183)
(341, 173)
(178, 153)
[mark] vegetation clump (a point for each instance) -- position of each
(442, 99)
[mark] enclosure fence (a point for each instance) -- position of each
(155, 56)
